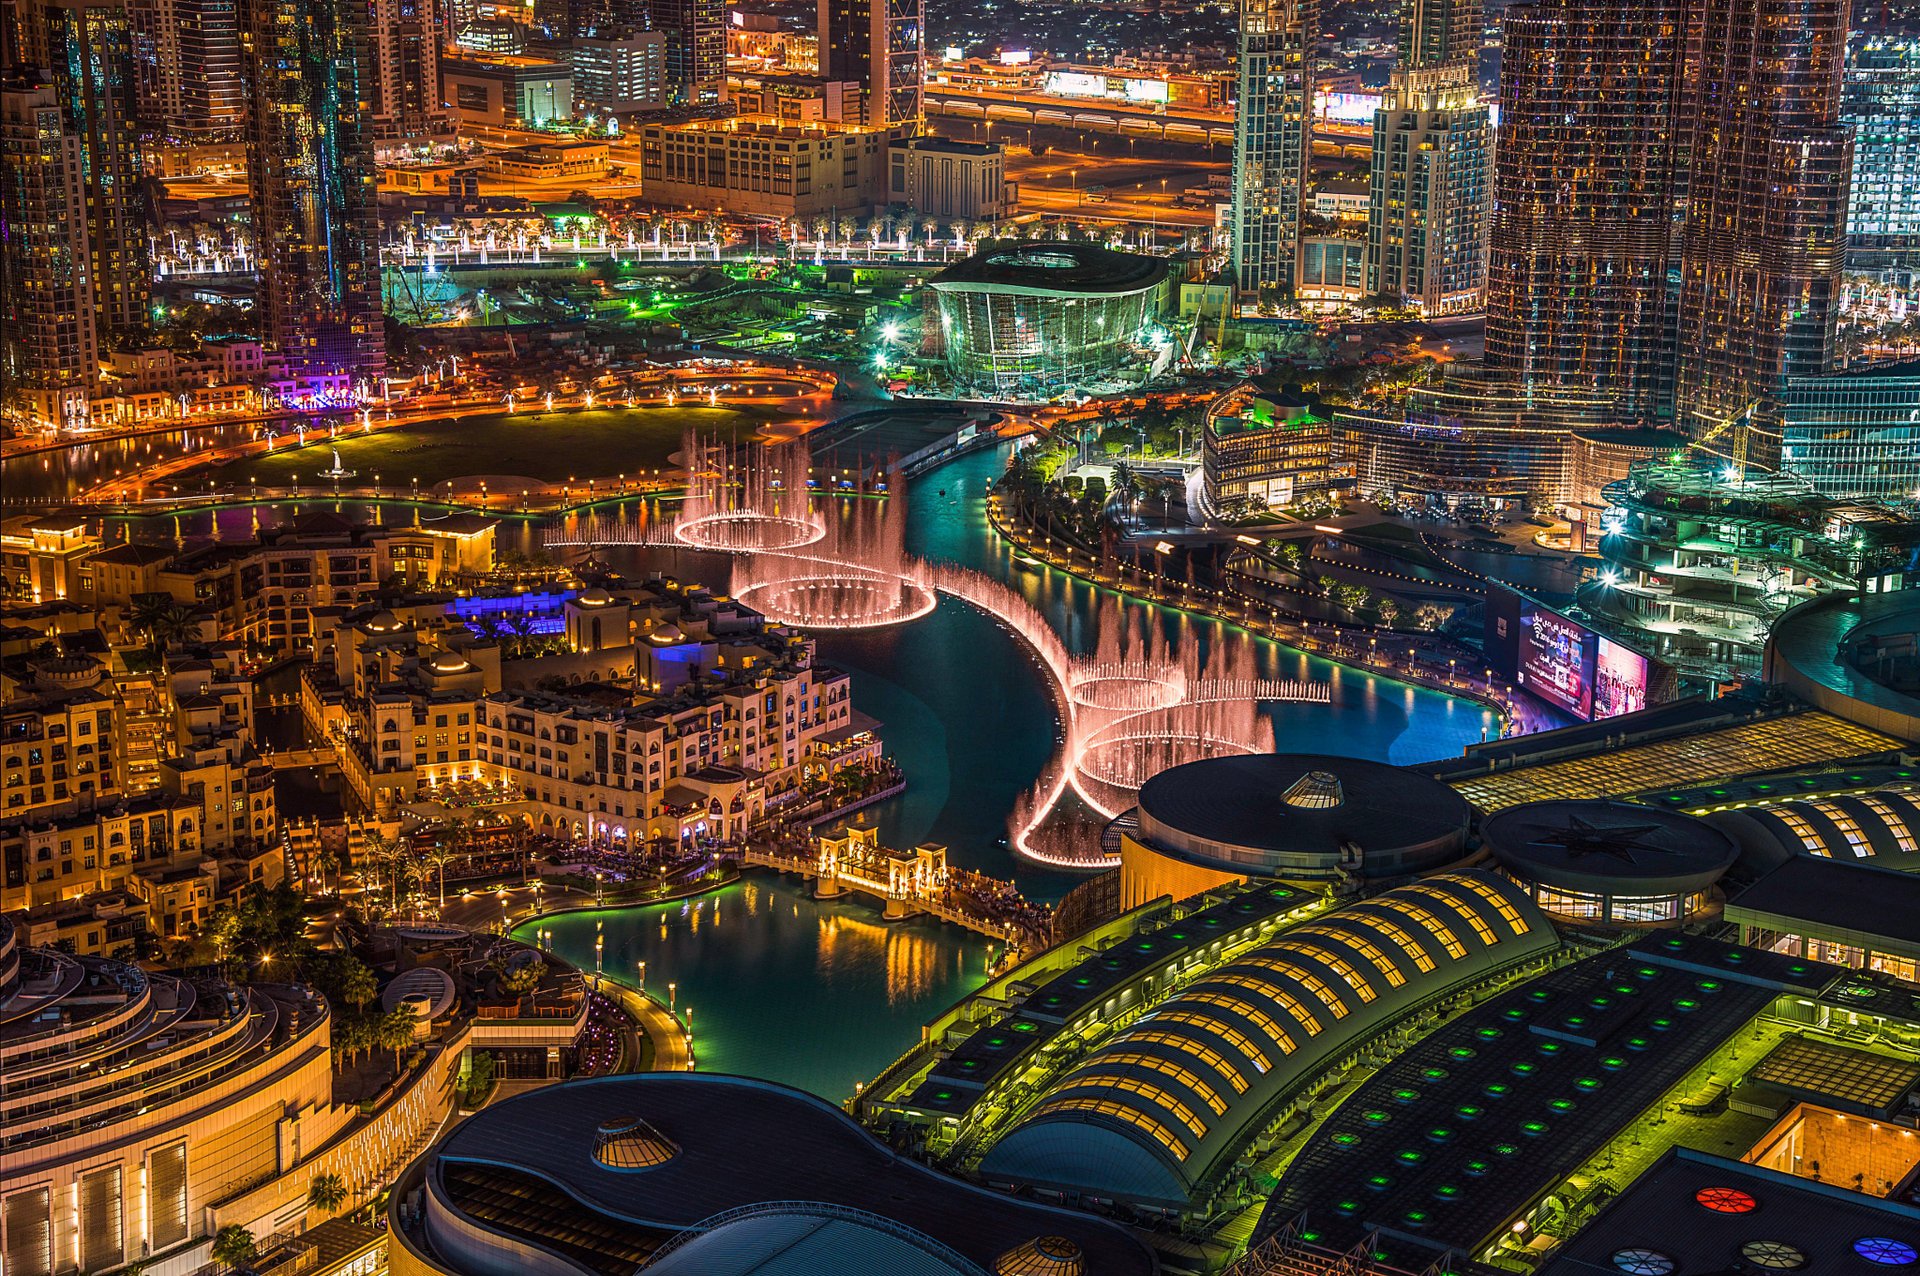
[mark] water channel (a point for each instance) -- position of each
(821, 995)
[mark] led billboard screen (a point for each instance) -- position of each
(1620, 678)
(1556, 660)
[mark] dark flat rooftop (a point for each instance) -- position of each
(1833, 895)
(744, 1142)
(1662, 1211)
(1453, 1136)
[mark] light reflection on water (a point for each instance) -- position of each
(818, 995)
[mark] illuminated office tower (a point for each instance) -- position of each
(310, 168)
(1272, 142)
(406, 72)
(1584, 191)
(1431, 180)
(696, 48)
(188, 54)
(881, 46)
(88, 45)
(1881, 102)
(49, 355)
(1438, 32)
(1765, 235)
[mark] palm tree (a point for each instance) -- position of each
(394, 1031)
(327, 1193)
(386, 853)
(357, 984)
(454, 838)
(233, 1245)
(163, 620)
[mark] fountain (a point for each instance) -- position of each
(1130, 708)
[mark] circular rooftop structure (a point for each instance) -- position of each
(1044, 267)
(1298, 816)
(1616, 863)
(428, 990)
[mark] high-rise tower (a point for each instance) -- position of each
(1432, 165)
(310, 167)
(696, 48)
(1585, 186)
(49, 353)
(1881, 103)
(88, 45)
(881, 46)
(1272, 142)
(1764, 240)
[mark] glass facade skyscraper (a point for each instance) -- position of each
(1881, 103)
(1855, 434)
(1764, 237)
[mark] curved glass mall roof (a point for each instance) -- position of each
(1880, 828)
(1164, 1106)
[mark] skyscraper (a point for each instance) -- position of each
(1438, 32)
(1881, 102)
(310, 167)
(189, 68)
(696, 48)
(49, 353)
(1764, 239)
(406, 71)
(881, 46)
(1272, 142)
(89, 47)
(1432, 165)
(1585, 190)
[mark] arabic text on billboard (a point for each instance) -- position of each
(1556, 661)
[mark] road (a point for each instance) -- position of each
(1131, 190)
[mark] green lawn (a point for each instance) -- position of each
(551, 447)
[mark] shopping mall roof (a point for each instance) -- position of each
(525, 1168)
(1048, 266)
(1844, 903)
(1454, 1136)
(1160, 1112)
(1255, 810)
(996, 1050)
(1693, 1212)
(1816, 650)
(1607, 847)
(1880, 827)
(1776, 743)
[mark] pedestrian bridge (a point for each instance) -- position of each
(907, 883)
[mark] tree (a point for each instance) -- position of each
(233, 1245)
(357, 984)
(1389, 611)
(394, 1031)
(327, 1193)
(163, 621)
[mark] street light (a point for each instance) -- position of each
(672, 988)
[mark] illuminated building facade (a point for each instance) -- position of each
(1855, 433)
(1432, 172)
(1272, 142)
(1263, 447)
(762, 168)
(1577, 293)
(1037, 319)
(89, 47)
(1764, 240)
(1701, 560)
(881, 46)
(406, 72)
(1881, 103)
(696, 34)
(311, 182)
(49, 346)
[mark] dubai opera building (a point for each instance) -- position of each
(1033, 319)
